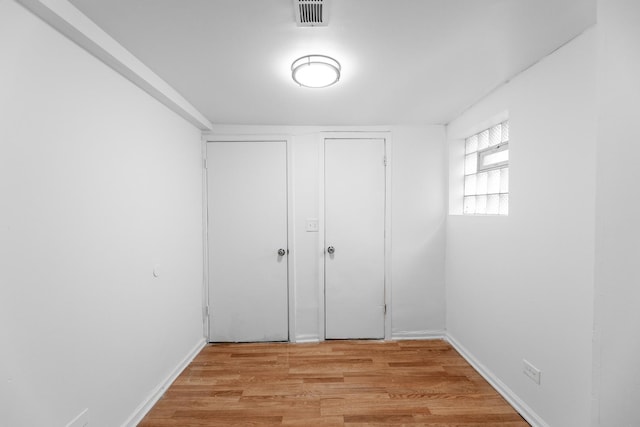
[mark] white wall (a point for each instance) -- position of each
(522, 286)
(98, 183)
(617, 345)
(418, 231)
(418, 214)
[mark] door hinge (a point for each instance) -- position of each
(385, 309)
(204, 163)
(384, 160)
(206, 311)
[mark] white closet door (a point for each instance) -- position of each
(247, 223)
(354, 232)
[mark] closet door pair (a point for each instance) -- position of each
(247, 240)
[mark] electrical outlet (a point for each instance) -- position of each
(531, 371)
(312, 225)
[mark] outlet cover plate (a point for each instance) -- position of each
(531, 371)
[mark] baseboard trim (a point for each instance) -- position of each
(148, 403)
(518, 404)
(306, 338)
(418, 335)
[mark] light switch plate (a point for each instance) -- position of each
(312, 225)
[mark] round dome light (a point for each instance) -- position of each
(315, 71)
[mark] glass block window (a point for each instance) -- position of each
(486, 172)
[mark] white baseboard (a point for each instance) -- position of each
(306, 338)
(418, 335)
(148, 403)
(527, 413)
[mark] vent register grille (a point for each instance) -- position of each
(311, 13)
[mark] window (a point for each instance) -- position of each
(486, 172)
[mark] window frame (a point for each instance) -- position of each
(502, 146)
(475, 168)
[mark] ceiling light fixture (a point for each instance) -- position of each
(315, 71)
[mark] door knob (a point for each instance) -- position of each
(281, 252)
(331, 249)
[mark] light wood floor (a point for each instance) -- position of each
(334, 383)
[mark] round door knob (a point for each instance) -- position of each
(281, 252)
(331, 249)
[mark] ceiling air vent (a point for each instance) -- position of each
(311, 13)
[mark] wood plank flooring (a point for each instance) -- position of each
(333, 383)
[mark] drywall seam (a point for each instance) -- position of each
(419, 335)
(146, 405)
(525, 410)
(68, 20)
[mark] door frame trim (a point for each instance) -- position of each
(386, 136)
(213, 138)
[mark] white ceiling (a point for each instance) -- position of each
(403, 61)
